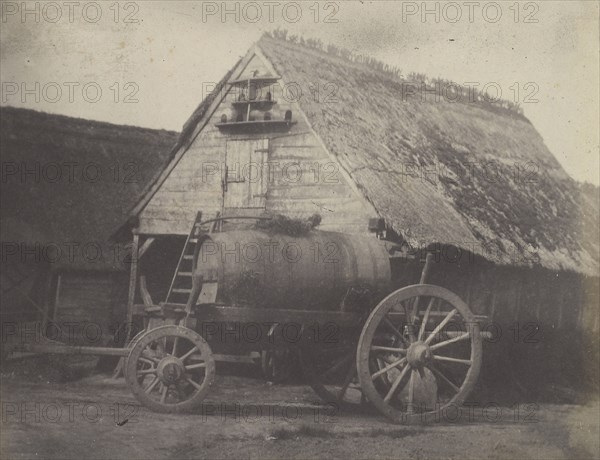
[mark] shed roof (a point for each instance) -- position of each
(41, 208)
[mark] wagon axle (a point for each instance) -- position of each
(418, 354)
(170, 370)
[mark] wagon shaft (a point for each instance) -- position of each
(69, 350)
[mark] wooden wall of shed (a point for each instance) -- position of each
(93, 302)
(546, 323)
(312, 182)
(24, 289)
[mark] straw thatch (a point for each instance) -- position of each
(42, 210)
(474, 175)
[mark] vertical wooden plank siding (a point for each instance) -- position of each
(246, 173)
(259, 156)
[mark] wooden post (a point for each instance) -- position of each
(130, 299)
(424, 275)
(146, 297)
(427, 268)
(132, 283)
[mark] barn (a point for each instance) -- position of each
(296, 128)
(66, 184)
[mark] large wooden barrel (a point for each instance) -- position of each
(316, 271)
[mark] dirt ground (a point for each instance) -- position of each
(96, 417)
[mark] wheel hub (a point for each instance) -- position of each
(170, 369)
(418, 354)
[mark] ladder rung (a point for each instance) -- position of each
(190, 246)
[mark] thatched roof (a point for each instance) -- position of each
(478, 199)
(73, 209)
(474, 175)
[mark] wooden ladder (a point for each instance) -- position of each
(181, 284)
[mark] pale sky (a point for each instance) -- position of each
(173, 51)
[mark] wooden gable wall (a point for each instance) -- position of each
(302, 177)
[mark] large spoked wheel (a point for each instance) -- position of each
(419, 353)
(330, 370)
(170, 369)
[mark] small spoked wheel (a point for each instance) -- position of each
(131, 344)
(331, 372)
(170, 369)
(419, 353)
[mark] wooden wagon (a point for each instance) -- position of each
(410, 352)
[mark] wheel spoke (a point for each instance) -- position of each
(146, 371)
(180, 394)
(453, 360)
(464, 336)
(163, 395)
(388, 323)
(440, 326)
(390, 393)
(152, 384)
(389, 349)
(193, 383)
(409, 324)
(195, 366)
(411, 392)
(426, 318)
(189, 353)
(439, 373)
(387, 368)
(147, 360)
(160, 346)
(415, 309)
(175, 345)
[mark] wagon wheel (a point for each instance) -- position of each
(330, 370)
(170, 369)
(131, 344)
(419, 353)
